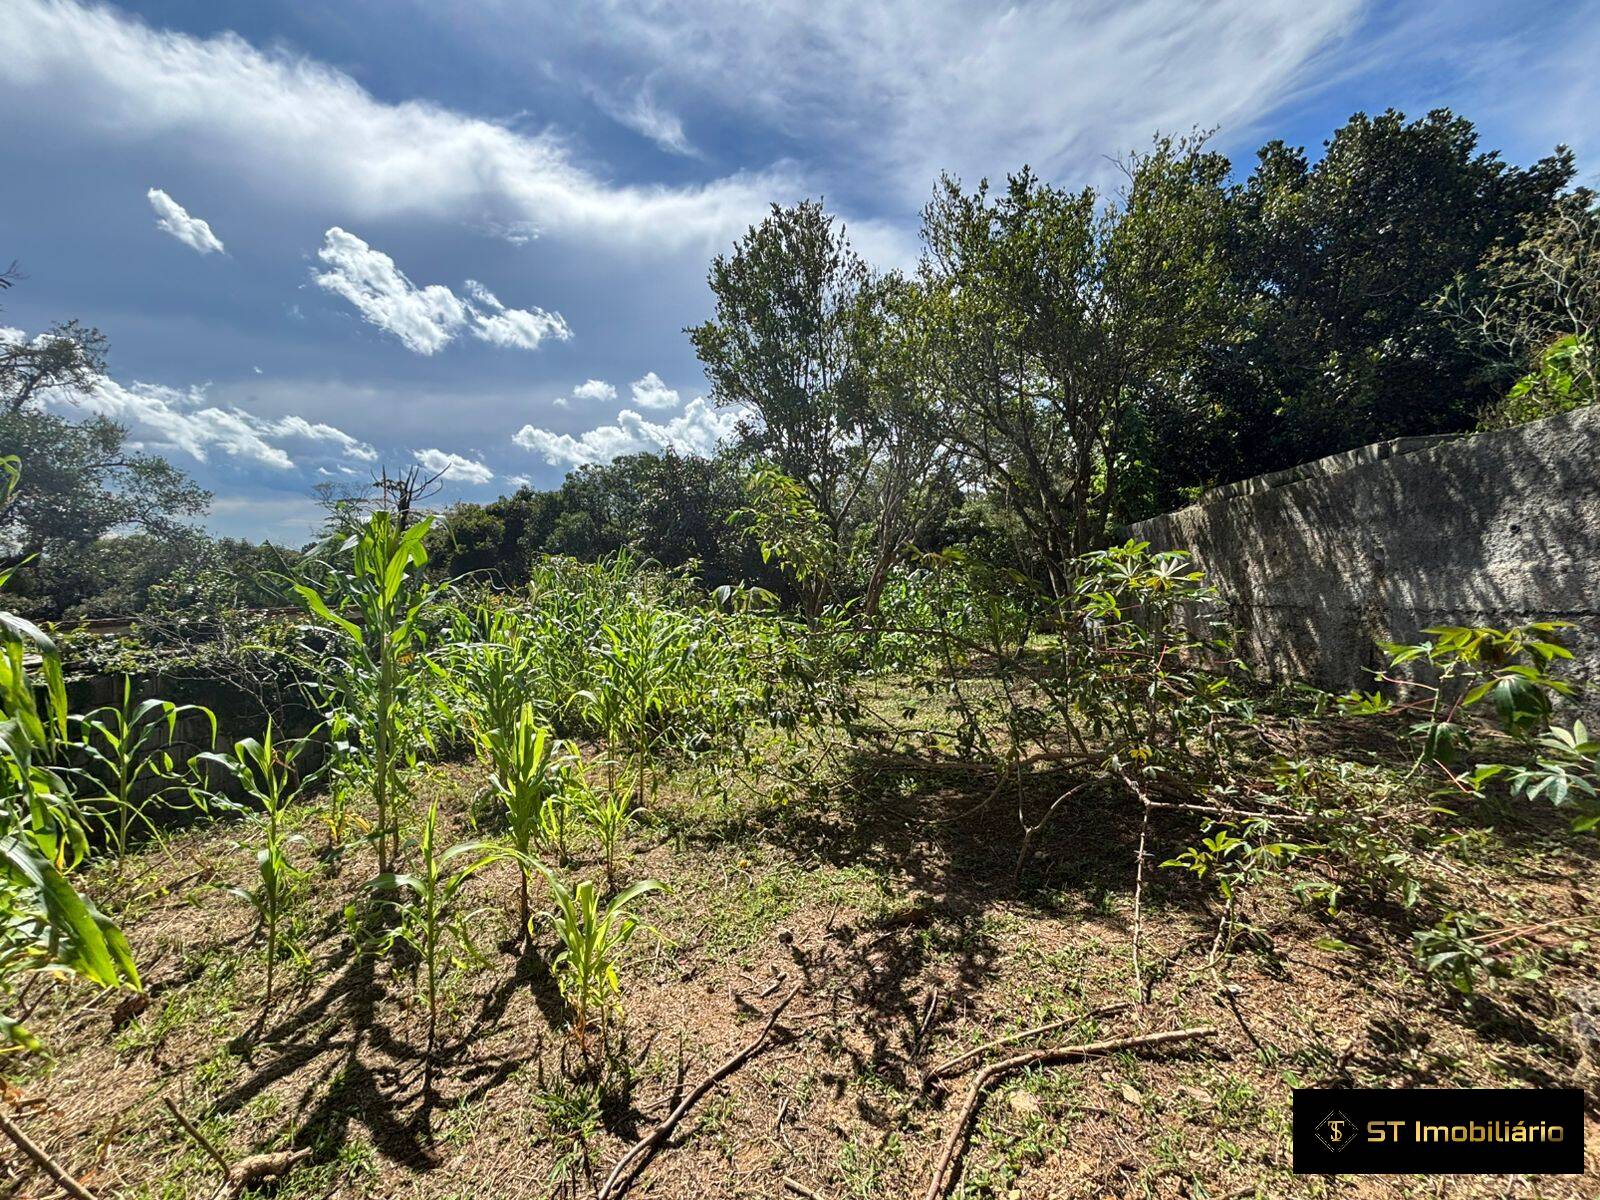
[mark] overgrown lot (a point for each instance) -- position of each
(884, 892)
(558, 855)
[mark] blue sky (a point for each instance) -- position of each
(324, 237)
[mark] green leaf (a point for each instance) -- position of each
(86, 941)
(321, 609)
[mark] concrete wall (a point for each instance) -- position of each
(1491, 529)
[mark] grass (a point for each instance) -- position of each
(877, 901)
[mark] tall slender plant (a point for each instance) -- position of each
(129, 752)
(428, 905)
(266, 770)
(529, 779)
(373, 596)
(644, 657)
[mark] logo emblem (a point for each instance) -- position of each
(1336, 1131)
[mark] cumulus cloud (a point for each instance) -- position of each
(166, 420)
(518, 327)
(596, 390)
(426, 319)
(453, 466)
(169, 420)
(174, 219)
(290, 126)
(593, 391)
(696, 430)
(650, 392)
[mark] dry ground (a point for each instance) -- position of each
(885, 893)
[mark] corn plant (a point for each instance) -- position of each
(428, 905)
(375, 601)
(643, 668)
(492, 667)
(265, 769)
(128, 748)
(530, 779)
(591, 940)
(46, 924)
(610, 813)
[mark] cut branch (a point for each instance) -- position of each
(956, 1138)
(43, 1161)
(640, 1153)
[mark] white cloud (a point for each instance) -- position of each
(522, 328)
(696, 430)
(519, 481)
(291, 127)
(597, 391)
(191, 231)
(593, 391)
(316, 431)
(426, 319)
(645, 117)
(169, 421)
(650, 392)
(896, 91)
(453, 466)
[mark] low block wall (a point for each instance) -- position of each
(1318, 562)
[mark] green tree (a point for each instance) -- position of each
(82, 480)
(1055, 315)
(785, 344)
(829, 357)
(1343, 259)
(1538, 312)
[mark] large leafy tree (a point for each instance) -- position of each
(785, 345)
(1343, 260)
(80, 480)
(830, 359)
(1054, 317)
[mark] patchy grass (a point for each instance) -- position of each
(882, 889)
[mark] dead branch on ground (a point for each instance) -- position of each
(956, 1138)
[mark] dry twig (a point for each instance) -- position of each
(950, 1065)
(800, 1189)
(43, 1161)
(957, 1136)
(247, 1171)
(634, 1159)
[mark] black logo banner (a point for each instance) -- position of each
(1459, 1131)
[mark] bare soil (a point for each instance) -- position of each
(884, 892)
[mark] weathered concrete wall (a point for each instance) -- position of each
(1493, 529)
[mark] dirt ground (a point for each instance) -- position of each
(881, 893)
